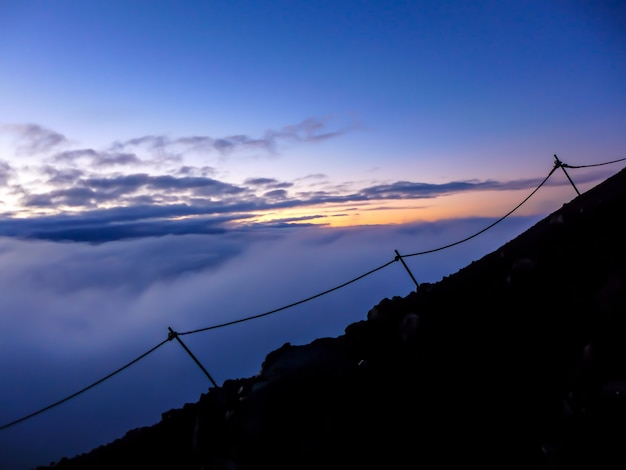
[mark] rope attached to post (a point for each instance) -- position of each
(398, 257)
(559, 164)
(173, 335)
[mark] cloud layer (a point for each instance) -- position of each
(145, 187)
(73, 312)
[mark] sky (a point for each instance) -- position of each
(187, 164)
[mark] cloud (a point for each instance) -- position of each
(315, 176)
(70, 156)
(228, 144)
(414, 190)
(268, 183)
(103, 225)
(98, 159)
(141, 205)
(64, 176)
(410, 190)
(108, 159)
(6, 172)
(90, 192)
(33, 139)
(153, 142)
(276, 194)
(73, 197)
(309, 130)
(165, 182)
(98, 267)
(260, 181)
(76, 312)
(196, 171)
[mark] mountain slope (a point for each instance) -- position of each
(515, 361)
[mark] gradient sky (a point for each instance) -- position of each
(186, 163)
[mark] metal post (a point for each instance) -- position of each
(407, 269)
(174, 335)
(559, 163)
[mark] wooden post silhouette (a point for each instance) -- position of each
(559, 163)
(398, 257)
(174, 335)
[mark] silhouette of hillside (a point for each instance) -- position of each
(517, 360)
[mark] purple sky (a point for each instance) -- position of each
(185, 164)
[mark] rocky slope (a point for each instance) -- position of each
(516, 361)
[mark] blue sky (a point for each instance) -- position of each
(185, 163)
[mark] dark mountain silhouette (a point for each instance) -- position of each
(516, 361)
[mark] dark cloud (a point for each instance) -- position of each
(117, 159)
(96, 158)
(190, 182)
(32, 139)
(130, 221)
(268, 183)
(121, 222)
(283, 225)
(327, 196)
(126, 231)
(289, 221)
(105, 225)
(315, 176)
(387, 208)
(6, 172)
(228, 144)
(73, 197)
(415, 190)
(153, 142)
(196, 171)
(300, 219)
(309, 130)
(129, 183)
(196, 141)
(62, 176)
(410, 190)
(166, 145)
(38, 200)
(94, 190)
(122, 184)
(143, 199)
(70, 156)
(283, 185)
(276, 194)
(145, 212)
(260, 181)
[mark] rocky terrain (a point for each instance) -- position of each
(516, 361)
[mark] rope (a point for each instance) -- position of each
(241, 320)
(596, 164)
(489, 226)
(73, 395)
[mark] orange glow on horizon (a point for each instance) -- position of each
(392, 212)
